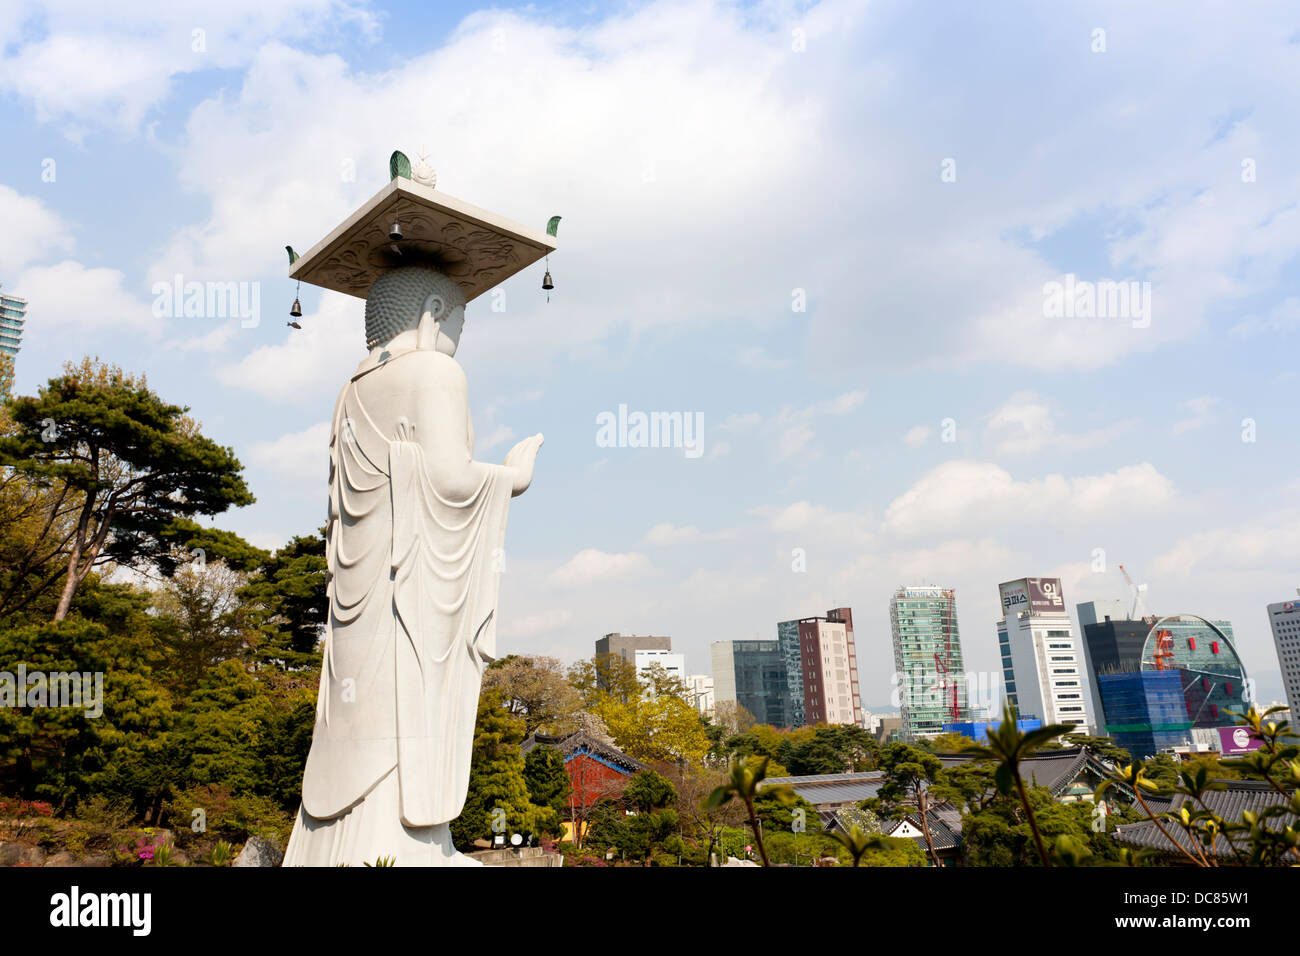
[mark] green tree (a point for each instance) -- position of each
(6, 374)
(537, 690)
(782, 813)
(287, 602)
(1103, 747)
(832, 748)
(1162, 770)
(743, 785)
(653, 799)
(37, 524)
(968, 785)
(1007, 746)
(605, 676)
(950, 743)
(137, 463)
(548, 786)
(909, 773)
(61, 754)
(496, 777)
(1000, 833)
(201, 620)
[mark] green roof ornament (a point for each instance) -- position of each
(552, 228)
(398, 165)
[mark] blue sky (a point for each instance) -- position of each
(710, 160)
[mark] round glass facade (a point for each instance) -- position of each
(1213, 678)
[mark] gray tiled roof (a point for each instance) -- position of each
(945, 835)
(1051, 769)
(829, 789)
(1229, 803)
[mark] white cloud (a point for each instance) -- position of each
(502, 433)
(31, 232)
(839, 405)
(70, 296)
(961, 495)
(1202, 410)
(87, 64)
(1258, 546)
(531, 625)
(916, 436)
(949, 559)
(793, 440)
(814, 522)
(300, 455)
(308, 363)
(665, 534)
(1024, 426)
(1282, 317)
(592, 566)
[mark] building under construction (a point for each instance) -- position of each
(928, 670)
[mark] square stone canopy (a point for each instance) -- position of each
(473, 246)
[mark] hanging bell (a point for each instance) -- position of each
(296, 311)
(395, 231)
(547, 284)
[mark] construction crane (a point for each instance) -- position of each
(1137, 590)
(942, 665)
(1164, 656)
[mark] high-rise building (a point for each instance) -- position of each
(1145, 711)
(625, 646)
(1211, 678)
(700, 687)
(13, 312)
(1285, 621)
(1112, 644)
(753, 675)
(787, 639)
(821, 662)
(1202, 651)
(927, 660)
(674, 665)
(1094, 612)
(1043, 667)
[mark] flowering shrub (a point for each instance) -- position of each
(25, 808)
(149, 848)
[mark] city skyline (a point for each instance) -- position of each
(887, 391)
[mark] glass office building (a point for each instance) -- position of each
(787, 638)
(1202, 652)
(928, 664)
(753, 674)
(13, 312)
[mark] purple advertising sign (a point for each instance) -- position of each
(1045, 595)
(1236, 740)
(1039, 596)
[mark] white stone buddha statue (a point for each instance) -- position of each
(415, 537)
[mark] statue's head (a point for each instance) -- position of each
(403, 299)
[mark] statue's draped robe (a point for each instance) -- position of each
(414, 553)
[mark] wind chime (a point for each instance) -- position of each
(296, 310)
(552, 228)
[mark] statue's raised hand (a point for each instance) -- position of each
(522, 458)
